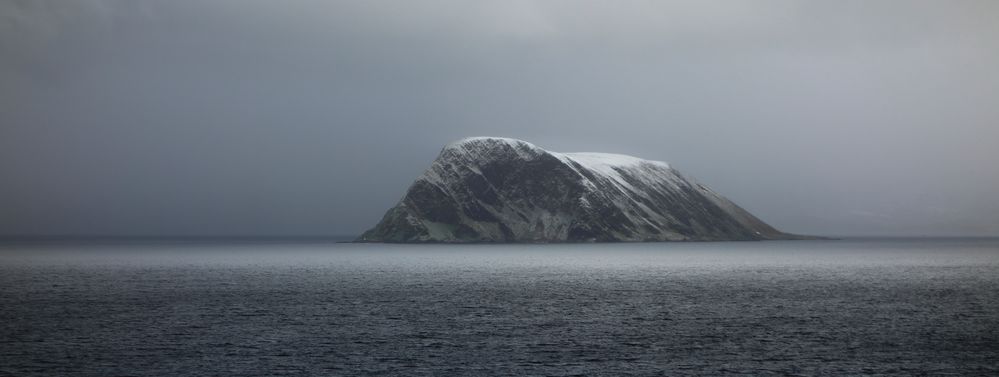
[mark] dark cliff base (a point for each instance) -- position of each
(784, 237)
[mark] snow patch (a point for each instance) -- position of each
(470, 142)
(606, 162)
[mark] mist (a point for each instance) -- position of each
(243, 118)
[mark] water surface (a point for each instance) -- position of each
(903, 306)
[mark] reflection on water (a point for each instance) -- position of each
(801, 307)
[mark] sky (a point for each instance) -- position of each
(289, 118)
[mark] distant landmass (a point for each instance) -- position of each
(490, 189)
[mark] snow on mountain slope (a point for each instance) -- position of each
(490, 189)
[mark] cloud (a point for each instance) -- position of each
(313, 116)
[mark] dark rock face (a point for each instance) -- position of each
(505, 190)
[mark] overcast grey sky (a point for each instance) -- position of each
(313, 117)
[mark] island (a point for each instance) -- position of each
(493, 189)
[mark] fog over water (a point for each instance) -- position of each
(312, 117)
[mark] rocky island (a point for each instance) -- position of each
(490, 189)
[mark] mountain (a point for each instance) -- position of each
(490, 189)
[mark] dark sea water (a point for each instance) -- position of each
(845, 307)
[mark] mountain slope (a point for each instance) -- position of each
(488, 189)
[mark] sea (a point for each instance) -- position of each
(917, 306)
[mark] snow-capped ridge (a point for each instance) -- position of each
(477, 142)
(602, 161)
(475, 139)
(496, 189)
(597, 161)
(488, 147)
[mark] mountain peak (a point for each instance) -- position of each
(486, 146)
(486, 141)
(494, 189)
